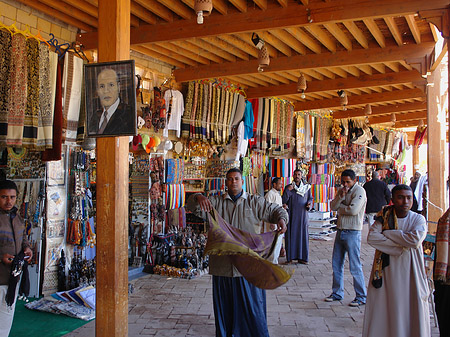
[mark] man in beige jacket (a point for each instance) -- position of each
(239, 306)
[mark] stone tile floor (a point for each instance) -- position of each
(162, 306)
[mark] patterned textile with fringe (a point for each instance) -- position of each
(442, 269)
(247, 252)
(388, 218)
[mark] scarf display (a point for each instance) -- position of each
(177, 217)
(282, 167)
(174, 171)
(247, 252)
(175, 196)
(388, 218)
(442, 269)
(72, 78)
(5, 83)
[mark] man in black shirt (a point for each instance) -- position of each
(378, 195)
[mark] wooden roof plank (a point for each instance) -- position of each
(199, 51)
(362, 99)
(159, 56)
(304, 38)
(382, 110)
(283, 3)
(375, 31)
(158, 9)
(179, 8)
(411, 20)
(339, 35)
(184, 52)
(142, 13)
(380, 67)
(365, 68)
(310, 61)
(219, 43)
(357, 33)
(276, 43)
(219, 52)
(169, 53)
(241, 5)
(393, 28)
(237, 42)
(72, 11)
(261, 4)
(257, 20)
(323, 37)
(289, 40)
(365, 81)
(399, 117)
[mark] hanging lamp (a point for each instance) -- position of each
(393, 118)
(421, 123)
(367, 110)
(263, 59)
(301, 85)
(343, 99)
(202, 8)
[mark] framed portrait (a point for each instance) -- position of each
(110, 99)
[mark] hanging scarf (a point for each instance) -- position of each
(441, 269)
(5, 83)
(302, 188)
(247, 252)
(388, 218)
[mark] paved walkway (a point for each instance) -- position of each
(162, 306)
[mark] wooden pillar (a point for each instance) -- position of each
(112, 188)
(436, 103)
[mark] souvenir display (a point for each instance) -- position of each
(219, 168)
(175, 170)
(157, 208)
(24, 164)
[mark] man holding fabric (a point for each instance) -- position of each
(297, 199)
(350, 204)
(397, 300)
(274, 196)
(239, 306)
(13, 239)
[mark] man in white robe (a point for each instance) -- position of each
(274, 196)
(399, 307)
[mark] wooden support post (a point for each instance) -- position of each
(112, 188)
(436, 103)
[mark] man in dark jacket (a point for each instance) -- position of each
(13, 239)
(378, 195)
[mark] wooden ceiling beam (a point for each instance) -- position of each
(365, 68)
(237, 42)
(58, 15)
(322, 36)
(221, 6)
(304, 38)
(158, 56)
(365, 81)
(257, 20)
(289, 40)
(179, 8)
(380, 67)
(357, 33)
(158, 9)
(393, 28)
(184, 52)
(208, 46)
(84, 6)
(382, 110)
(283, 3)
(72, 11)
(400, 117)
(310, 61)
(241, 5)
(339, 35)
(261, 4)
(362, 99)
(142, 13)
(276, 43)
(408, 124)
(373, 28)
(412, 24)
(169, 53)
(219, 43)
(198, 51)
(247, 38)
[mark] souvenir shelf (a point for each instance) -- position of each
(321, 223)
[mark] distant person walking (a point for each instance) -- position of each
(378, 195)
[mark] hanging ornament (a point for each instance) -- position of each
(202, 8)
(367, 110)
(263, 58)
(301, 85)
(343, 99)
(257, 41)
(393, 118)
(421, 123)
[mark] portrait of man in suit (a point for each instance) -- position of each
(111, 109)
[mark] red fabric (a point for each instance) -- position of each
(55, 152)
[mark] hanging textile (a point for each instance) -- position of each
(300, 135)
(48, 62)
(73, 74)
(174, 171)
(177, 217)
(81, 130)
(5, 83)
(18, 92)
(175, 196)
(32, 110)
(187, 112)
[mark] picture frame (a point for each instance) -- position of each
(110, 99)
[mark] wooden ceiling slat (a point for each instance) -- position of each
(199, 51)
(382, 110)
(305, 2)
(411, 20)
(339, 35)
(178, 8)
(142, 13)
(241, 5)
(365, 81)
(394, 66)
(185, 52)
(247, 38)
(365, 68)
(276, 43)
(279, 78)
(72, 11)
(219, 43)
(261, 4)
(313, 74)
(304, 38)
(268, 78)
(289, 76)
(400, 117)
(256, 79)
(375, 31)
(289, 40)
(322, 36)
(393, 28)
(362, 99)
(310, 61)
(243, 80)
(219, 52)
(237, 42)
(339, 71)
(84, 6)
(257, 20)
(221, 6)
(159, 56)
(380, 67)
(283, 3)
(171, 54)
(357, 33)
(57, 14)
(376, 89)
(353, 70)
(158, 9)
(325, 72)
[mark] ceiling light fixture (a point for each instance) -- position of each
(421, 123)
(367, 110)
(202, 8)
(343, 99)
(301, 86)
(263, 59)
(393, 118)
